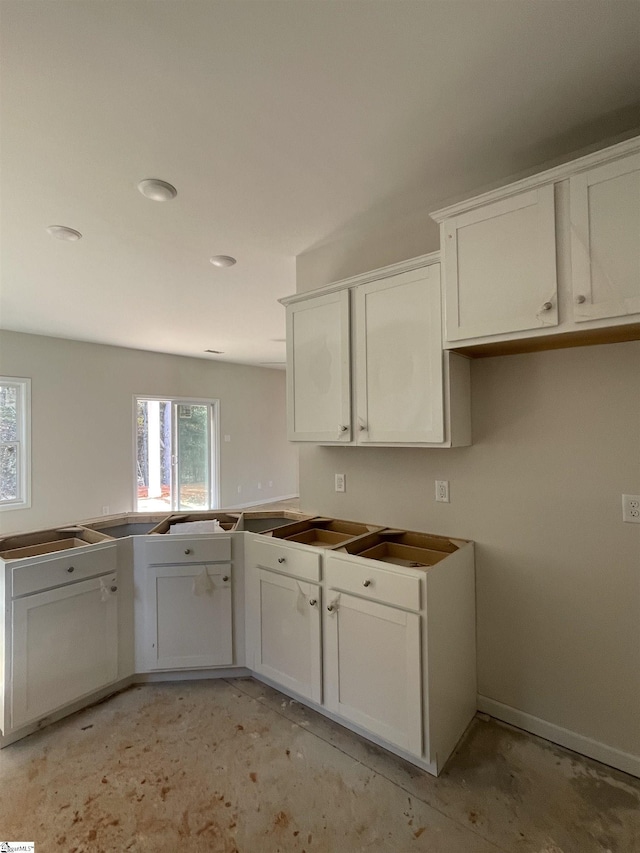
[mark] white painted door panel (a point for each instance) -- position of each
(318, 369)
(373, 670)
(605, 240)
(399, 383)
(65, 646)
(289, 633)
(500, 266)
(189, 618)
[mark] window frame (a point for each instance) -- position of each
(23, 501)
(214, 444)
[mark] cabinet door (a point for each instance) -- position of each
(189, 616)
(373, 670)
(605, 240)
(65, 646)
(500, 267)
(398, 354)
(288, 635)
(318, 387)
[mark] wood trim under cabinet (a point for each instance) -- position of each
(581, 338)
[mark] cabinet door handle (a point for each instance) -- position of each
(362, 427)
(330, 608)
(581, 298)
(547, 306)
(281, 560)
(366, 583)
(344, 427)
(225, 578)
(114, 589)
(71, 569)
(312, 602)
(187, 550)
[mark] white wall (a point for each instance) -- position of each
(556, 442)
(82, 424)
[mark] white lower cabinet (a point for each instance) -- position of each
(185, 613)
(379, 642)
(288, 633)
(283, 605)
(373, 668)
(189, 616)
(385, 648)
(65, 645)
(60, 631)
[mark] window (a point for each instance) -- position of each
(176, 454)
(15, 440)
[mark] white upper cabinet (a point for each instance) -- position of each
(318, 371)
(551, 260)
(376, 375)
(500, 266)
(605, 240)
(398, 359)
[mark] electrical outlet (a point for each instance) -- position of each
(259, 485)
(227, 438)
(105, 510)
(341, 482)
(631, 508)
(239, 489)
(270, 484)
(442, 491)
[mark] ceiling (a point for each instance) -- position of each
(283, 124)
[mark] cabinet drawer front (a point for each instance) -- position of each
(297, 562)
(172, 549)
(367, 581)
(74, 566)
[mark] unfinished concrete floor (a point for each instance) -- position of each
(236, 766)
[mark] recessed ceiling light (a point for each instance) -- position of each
(222, 261)
(157, 190)
(61, 232)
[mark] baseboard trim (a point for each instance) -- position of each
(191, 675)
(625, 761)
(261, 503)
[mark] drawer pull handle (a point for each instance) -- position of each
(343, 427)
(547, 306)
(313, 602)
(187, 550)
(581, 299)
(366, 583)
(225, 578)
(114, 589)
(330, 608)
(71, 569)
(281, 559)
